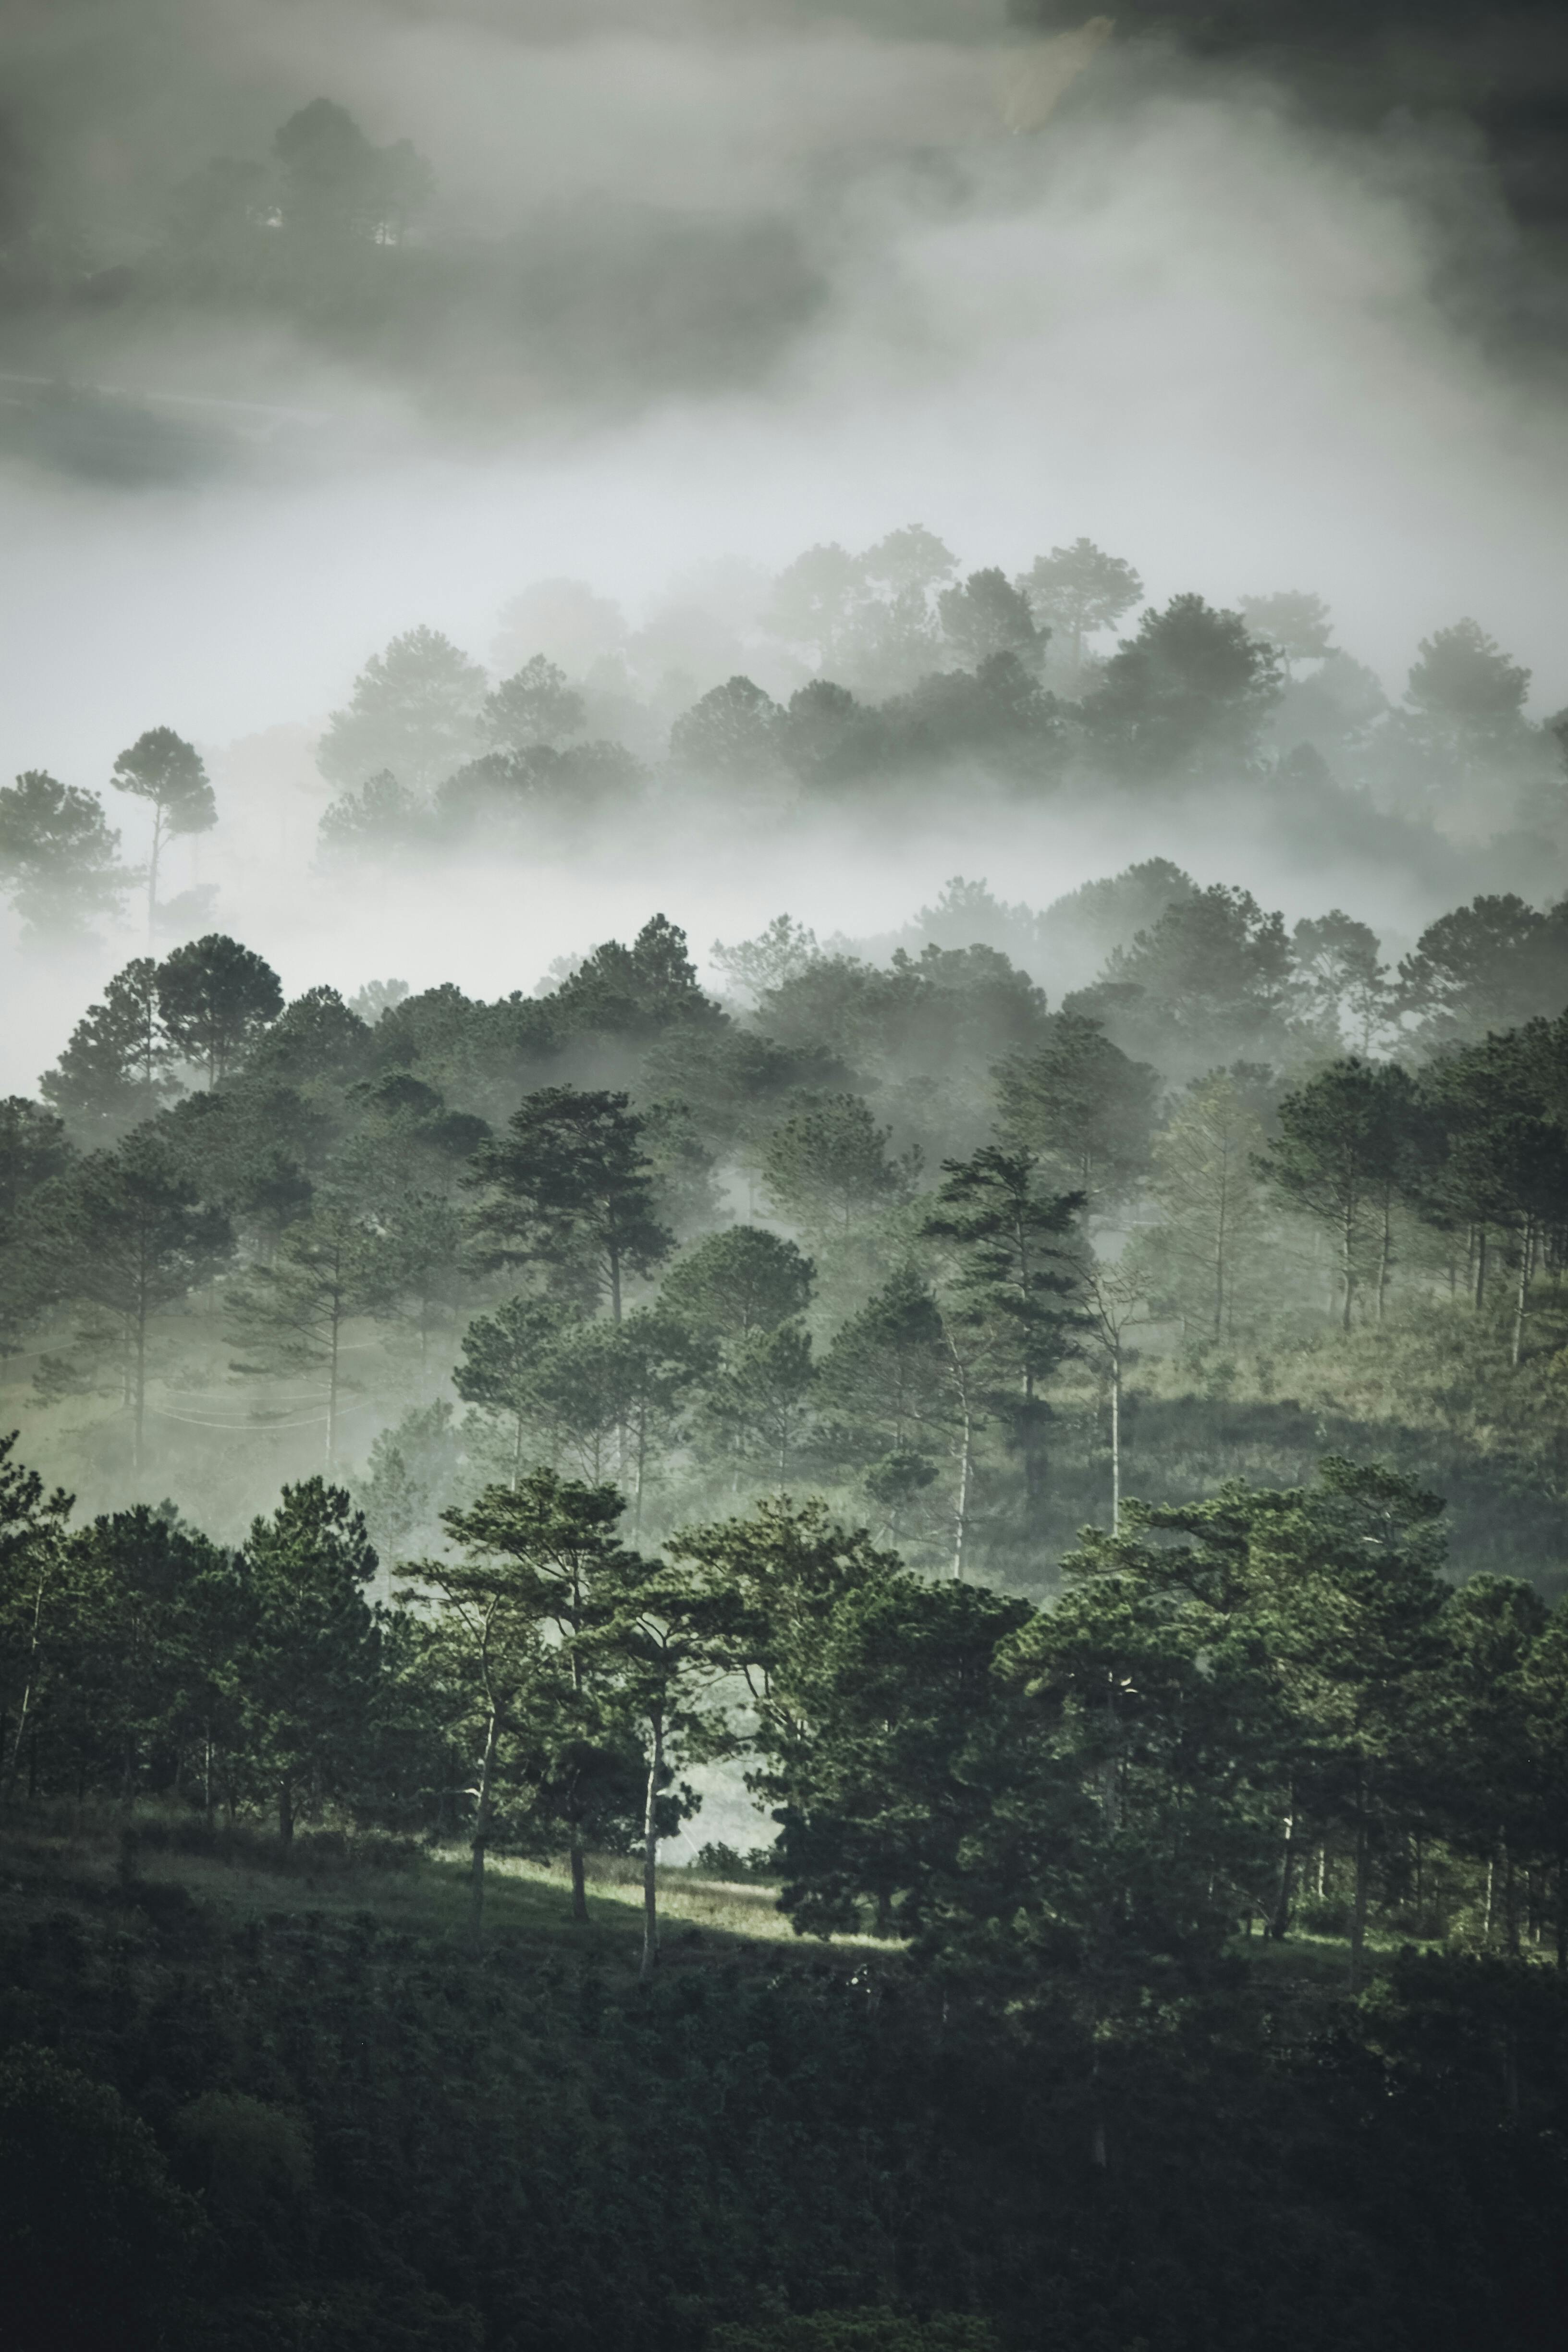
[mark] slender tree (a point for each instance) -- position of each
(166, 772)
(551, 1544)
(127, 1232)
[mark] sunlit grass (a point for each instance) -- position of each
(51, 1852)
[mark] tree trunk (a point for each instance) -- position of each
(1480, 1294)
(138, 1386)
(1358, 1911)
(579, 1880)
(1384, 1255)
(285, 1812)
(650, 1853)
(29, 1692)
(1347, 1265)
(482, 1835)
(334, 1328)
(641, 1472)
(152, 872)
(961, 1515)
(1115, 1438)
(1279, 1922)
(1521, 1292)
(613, 1257)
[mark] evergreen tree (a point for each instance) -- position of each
(414, 712)
(544, 1554)
(127, 1232)
(1078, 590)
(36, 1594)
(827, 1170)
(215, 998)
(759, 1406)
(734, 1283)
(1206, 1258)
(163, 769)
(292, 1315)
(1342, 1156)
(1082, 1107)
(572, 1191)
(59, 862)
(305, 1677)
(1191, 688)
(113, 1071)
(33, 1152)
(502, 1362)
(536, 705)
(1007, 1305)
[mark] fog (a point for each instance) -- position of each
(1177, 315)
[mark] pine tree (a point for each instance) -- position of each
(161, 768)
(571, 1191)
(305, 1677)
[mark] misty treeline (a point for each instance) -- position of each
(899, 1234)
(891, 678)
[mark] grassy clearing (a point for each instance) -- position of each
(54, 1857)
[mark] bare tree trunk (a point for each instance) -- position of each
(1347, 1265)
(1115, 1437)
(285, 1812)
(481, 1833)
(1481, 1292)
(961, 1515)
(579, 1878)
(1384, 1255)
(650, 1853)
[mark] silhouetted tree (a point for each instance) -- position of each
(163, 769)
(413, 712)
(1191, 688)
(1078, 590)
(572, 1191)
(58, 859)
(214, 998)
(127, 1232)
